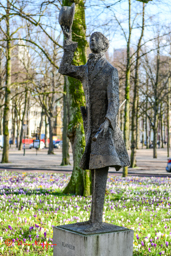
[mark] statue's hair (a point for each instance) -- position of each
(105, 40)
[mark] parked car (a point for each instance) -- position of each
(36, 143)
(168, 167)
(57, 144)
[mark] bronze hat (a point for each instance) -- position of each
(66, 16)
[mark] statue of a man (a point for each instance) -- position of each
(101, 87)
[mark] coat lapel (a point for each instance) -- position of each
(99, 65)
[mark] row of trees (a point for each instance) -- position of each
(144, 75)
(27, 76)
(144, 72)
(41, 37)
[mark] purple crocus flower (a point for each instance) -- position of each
(44, 234)
(30, 228)
(10, 227)
(36, 225)
(142, 243)
(167, 244)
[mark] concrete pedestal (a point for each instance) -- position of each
(111, 240)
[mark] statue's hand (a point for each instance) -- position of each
(67, 32)
(105, 126)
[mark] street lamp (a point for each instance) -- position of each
(24, 130)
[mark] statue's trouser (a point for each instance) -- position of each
(99, 179)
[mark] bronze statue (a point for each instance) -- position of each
(104, 143)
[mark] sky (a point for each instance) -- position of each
(102, 19)
(100, 16)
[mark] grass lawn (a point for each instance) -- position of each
(31, 204)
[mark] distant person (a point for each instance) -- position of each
(158, 143)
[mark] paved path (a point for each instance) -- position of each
(147, 165)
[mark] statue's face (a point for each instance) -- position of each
(96, 44)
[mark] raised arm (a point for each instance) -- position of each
(66, 68)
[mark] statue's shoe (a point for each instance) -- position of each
(84, 223)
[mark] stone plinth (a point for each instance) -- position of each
(111, 240)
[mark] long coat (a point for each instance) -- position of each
(101, 87)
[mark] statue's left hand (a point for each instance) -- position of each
(67, 32)
(105, 126)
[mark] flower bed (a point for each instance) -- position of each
(32, 203)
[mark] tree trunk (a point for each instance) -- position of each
(155, 130)
(127, 90)
(146, 132)
(5, 153)
(80, 180)
(27, 113)
(156, 104)
(75, 185)
(50, 151)
(126, 121)
(18, 126)
(22, 120)
(1, 116)
(164, 135)
(150, 135)
(1, 97)
(0, 121)
(137, 124)
(21, 136)
(41, 123)
(136, 85)
(65, 140)
(168, 119)
(143, 133)
(161, 123)
(142, 139)
(13, 123)
(146, 121)
(46, 131)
